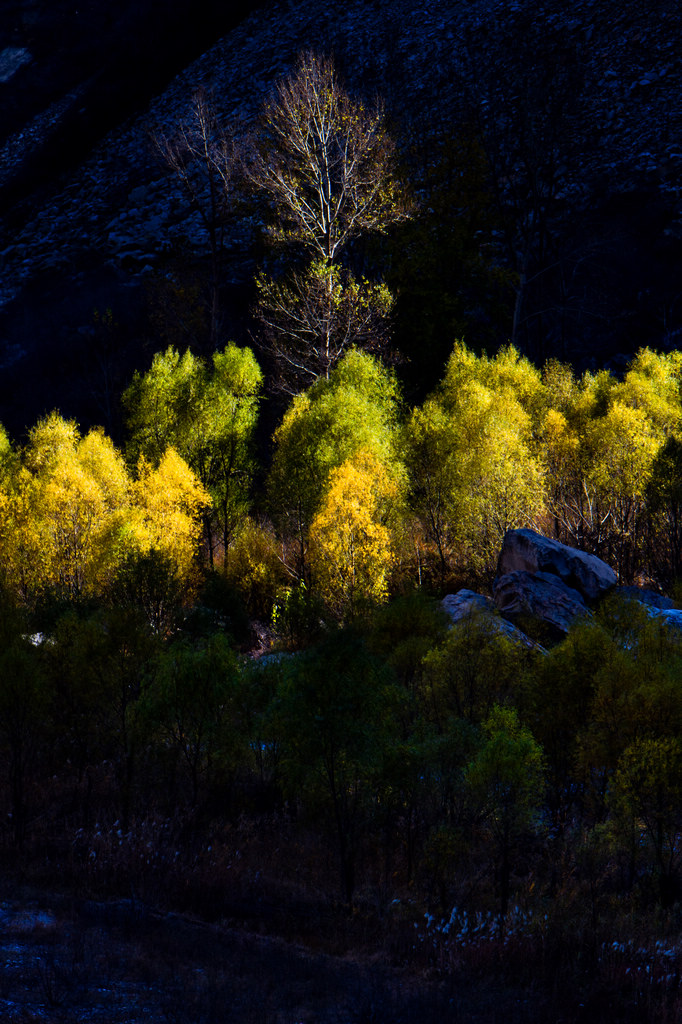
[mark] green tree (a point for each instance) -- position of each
(646, 791)
(189, 701)
(94, 666)
(331, 716)
(354, 411)
(601, 441)
(664, 506)
(506, 783)
(621, 448)
(473, 669)
(208, 415)
(473, 461)
(23, 711)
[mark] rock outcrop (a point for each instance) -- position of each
(540, 596)
(650, 598)
(466, 605)
(530, 552)
(546, 586)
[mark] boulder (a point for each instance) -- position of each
(529, 552)
(467, 605)
(648, 597)
(671, 616)
(541, 596)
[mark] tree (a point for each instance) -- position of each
(189, 701)
(474, 467)
(169, 502)
(475, 667)
(201, 153)
(66, 508)
(207, 413)
(354, 410)
(506, 781)
(664, 501)
(310, 319)
(94, 666)
(621, 447)
(23, 707)
(331, 715)
(327, 164)
(647, 792)
(351, 537)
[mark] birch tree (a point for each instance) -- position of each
(326, 163)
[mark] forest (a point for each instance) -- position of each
(227, 683)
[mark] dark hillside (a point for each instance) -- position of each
(565, 239)
(91, 65)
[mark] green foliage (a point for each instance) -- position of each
(191, 702)
(148, 582)
(23, 707)
(646, 794)
(664, 506)
(506, 781)
(208, 416)
(332, 716)
(354, 411)
(472, 458)
(474, 668)
(255, 567)
(298, 617)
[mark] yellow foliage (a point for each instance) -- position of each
(352, 546)
(168, 505)
(255, 566)
(59, 510)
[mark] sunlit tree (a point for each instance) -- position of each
(326, 163)
(352, 548)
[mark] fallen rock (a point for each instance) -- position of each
(527, 551)
(541, 596)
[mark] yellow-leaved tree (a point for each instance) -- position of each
(63, 510)
(354, 411)
(168, 504)
(351, 538)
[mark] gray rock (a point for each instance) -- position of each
(465, 603)
(468, 606)
(672, 617)
(530, 552)
(540, 596)
(648, 597)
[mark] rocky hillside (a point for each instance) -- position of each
(578, 107)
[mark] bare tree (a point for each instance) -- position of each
(309, 320)
(326, 161)
(203, 155)
(327, 165)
